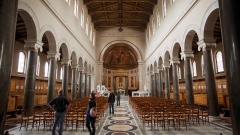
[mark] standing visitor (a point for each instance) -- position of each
(59, 105)
(91, 119)
(111, 100)
(118, 98)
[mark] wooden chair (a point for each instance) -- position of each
(181, 118)
(37, 118)
(26, 118)
(159, 117)
(147, 115)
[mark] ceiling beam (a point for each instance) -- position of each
(135, 6)
(90, 1)
(101, 6)
(117, 19)
(124, 11)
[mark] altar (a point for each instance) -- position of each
(141, 94)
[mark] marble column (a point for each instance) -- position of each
(86, 85)
(188, 77)
(167, 82)
(160, 81)
(89, 83)
(65, 68)
(140, 64)
(80, 84)
(150, 83)
(29, 86)
(229, 16)
(156, 84)
(51, 75)
(175, 80)
(212, 98)
(114, 84)
(100, 65)
(73, 84)
(126, 89)
(83, 85)
(153, 85)
(8, 15)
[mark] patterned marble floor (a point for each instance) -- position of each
(125, 122)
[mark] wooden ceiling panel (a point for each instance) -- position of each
(107, 14)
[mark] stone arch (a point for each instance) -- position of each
(89, 69)
(85, 68)
(51, 36)
(63, 45)
(176, 50)
(120, 41)
(151, 68)
(74, 58)
(80, 63)
(209, 20)
(160, 62)
(155, 65)
(30, 20)
(188, 37)
(166, 61)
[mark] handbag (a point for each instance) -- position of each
(93, 112)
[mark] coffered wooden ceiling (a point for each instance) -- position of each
(132, 14)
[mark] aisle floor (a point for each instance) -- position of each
(125, 122)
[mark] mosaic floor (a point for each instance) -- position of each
(125, 122)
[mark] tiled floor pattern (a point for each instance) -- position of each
(126, 122)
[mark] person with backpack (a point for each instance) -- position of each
(111, 100)
(118, 98)
(91, 114)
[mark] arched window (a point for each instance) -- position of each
(219, 61)
(46, 70)
(38, 66)
(164, 8)
(87, 27)
(68, 2)
(61, 73)
(202, 65)
(179, 73)
(146, 37)
(153, 26)
(158, 18)
(82, 18)
(94, 39)
(149, 33)
(76, 8)
(90, 33)
(21, 62)
(56, 71)
(194, 69)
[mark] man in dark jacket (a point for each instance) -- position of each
(59, 105)
(118, 98)
(111, 100)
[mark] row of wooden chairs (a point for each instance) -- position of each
(75, 115)
(166, 112)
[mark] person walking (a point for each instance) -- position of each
(111, 100)
(91, 119)
(118, 98)
(59, 105)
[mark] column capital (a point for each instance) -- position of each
(206, 44)
(66, 62)
(166, 67)
(100, 62)
(53, 55)
(155, 70)
(74, 66)
(174, 61)
(33, 45)
(187, 55)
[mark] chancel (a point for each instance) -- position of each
(176, 64)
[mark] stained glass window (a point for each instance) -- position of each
(194, 69)
(61, 72)
(76, 8)
(46, 70)
(38, 66)
(21, 62)
(164, 8)
(219, 61)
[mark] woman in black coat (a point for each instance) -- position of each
(89, 119)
